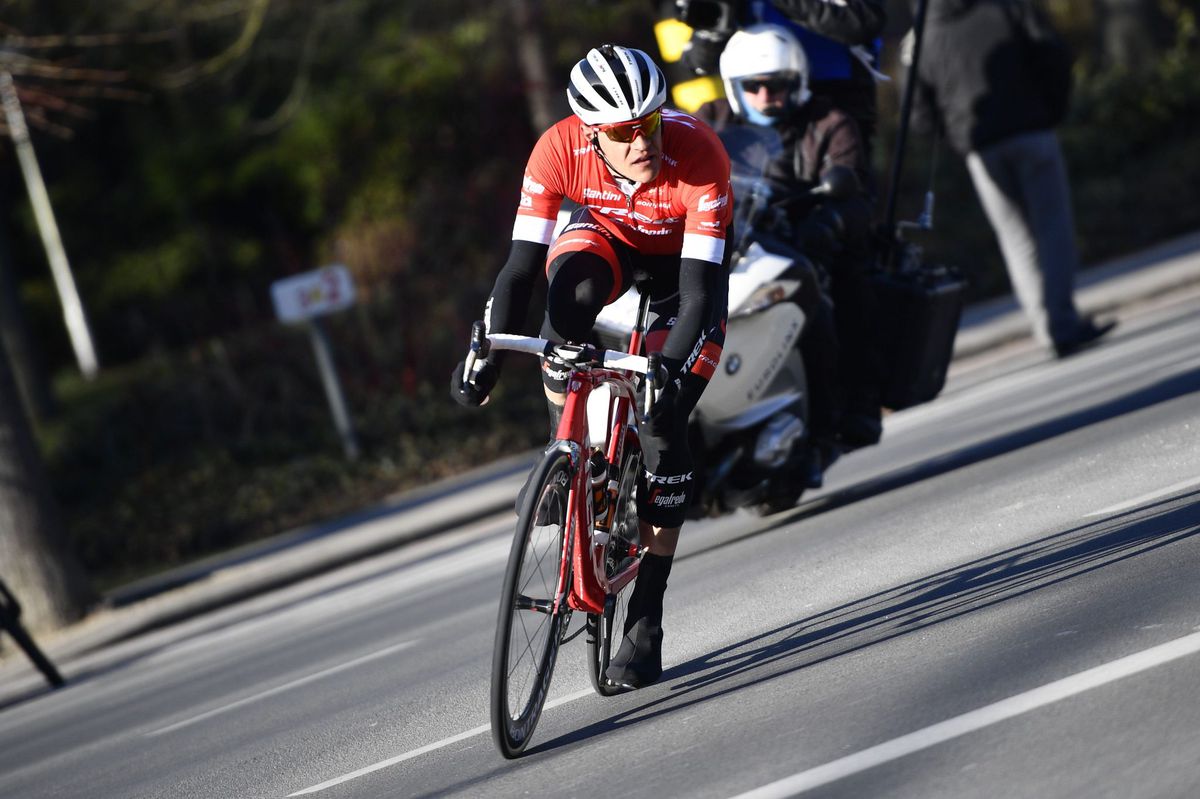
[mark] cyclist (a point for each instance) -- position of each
(654, 196)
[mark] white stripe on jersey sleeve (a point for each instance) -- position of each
(533, 228)
(703, 248)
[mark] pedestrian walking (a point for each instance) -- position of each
(995, 77)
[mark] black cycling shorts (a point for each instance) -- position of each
(588, 268)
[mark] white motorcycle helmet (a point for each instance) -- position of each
(615, 84)
(760, 51)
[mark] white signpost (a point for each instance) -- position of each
(304, 299)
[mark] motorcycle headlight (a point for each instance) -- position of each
(765, 296)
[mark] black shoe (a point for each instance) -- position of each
(638, 662)
(1086, 334)
(818, 457)
(860, 429)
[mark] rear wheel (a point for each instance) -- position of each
(605, 630)
(533, 609)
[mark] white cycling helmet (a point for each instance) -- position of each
(615, 84)
(763, 50)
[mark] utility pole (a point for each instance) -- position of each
(64, 280)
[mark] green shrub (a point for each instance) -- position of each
(164, 461)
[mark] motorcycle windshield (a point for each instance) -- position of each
(751, 149)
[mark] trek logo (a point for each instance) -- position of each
(667, 479)
(532, 186)
(706, 204)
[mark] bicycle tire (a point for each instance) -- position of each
(529, 626)
(606, 630)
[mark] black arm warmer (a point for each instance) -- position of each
(507, 309)
(703, 301)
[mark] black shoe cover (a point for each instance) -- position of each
(638, 662)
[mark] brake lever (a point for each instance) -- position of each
(480, 347)
(656, 378)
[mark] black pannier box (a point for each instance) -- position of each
(919, 309)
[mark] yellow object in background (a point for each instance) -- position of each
(672, 37)
(694, 93)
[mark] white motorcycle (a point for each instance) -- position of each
(750, 432)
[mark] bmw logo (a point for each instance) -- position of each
(732, 364)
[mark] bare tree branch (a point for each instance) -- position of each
(37, 119)
(291, 104)
(49, 101)
(18, 42)
(46, 82)
(256, 13)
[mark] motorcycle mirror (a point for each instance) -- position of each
(838, 183)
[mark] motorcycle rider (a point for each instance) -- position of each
(765, 71)
(840, 38)
(653, 186)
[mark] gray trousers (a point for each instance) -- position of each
(1022, 185)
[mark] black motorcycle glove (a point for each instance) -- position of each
(816, 239)
(702, 54)
(476, 392)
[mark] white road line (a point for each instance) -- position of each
(1144, 498)
(280, 689)
(976, 719)
(462, 736)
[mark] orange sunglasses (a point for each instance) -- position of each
(625, 132)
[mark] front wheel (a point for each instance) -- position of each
(533, 608)
(605, 630)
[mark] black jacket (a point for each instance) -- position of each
(816, 137)
(979, 77)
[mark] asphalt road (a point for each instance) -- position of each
(999, 600)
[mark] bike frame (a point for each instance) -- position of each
(582, 580)
(583, 558)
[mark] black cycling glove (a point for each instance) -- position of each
(476, 392)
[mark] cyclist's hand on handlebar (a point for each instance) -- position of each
(476, 391)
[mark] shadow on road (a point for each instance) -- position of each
(907, 608)
(1173, 388)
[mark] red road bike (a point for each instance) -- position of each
(576, 545)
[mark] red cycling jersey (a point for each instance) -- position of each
(686, 209)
